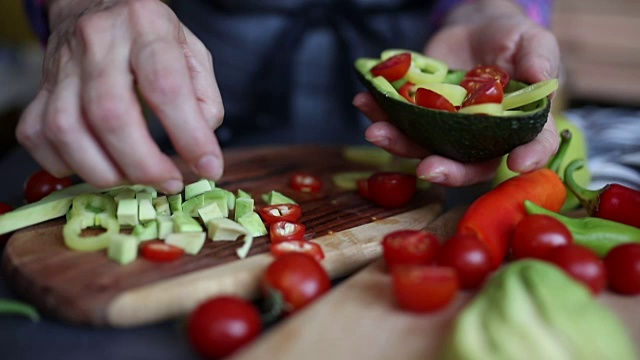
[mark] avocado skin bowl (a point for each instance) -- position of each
(461, 137)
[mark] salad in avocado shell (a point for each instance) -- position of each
(448, 111)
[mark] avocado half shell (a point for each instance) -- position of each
(461, 137)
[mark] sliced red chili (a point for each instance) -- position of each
(286, 230)
(394, 68)
(274, 213)
(160, 251)
(305, 182)
(432, 100)
(302, 246)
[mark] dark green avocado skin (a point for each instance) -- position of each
(463, 137)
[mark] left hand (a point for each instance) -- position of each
(495, 35)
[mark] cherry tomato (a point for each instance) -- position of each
(471, 84)
(274, 213)
(304, 247)
(405, 247)
(363, 188)
(222, 325)
(623, 268)
(432, 100)
(286, 230)
(424, 288)
(469, 256)
(4, 208)
(488, 92)
(41, 184)
(536, 234)
(305, 182)
(406, 92)
(298, 278)
(391, 189)
(582, 264)
(160, 251)
(490, 72)
(394, 68)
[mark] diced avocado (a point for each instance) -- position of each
(146, 211)
(212, 184)
(175, 203)
(138, 188)
(146, 231)
(461, 137)
(243, 194)
(220, 197)
(122, 193)
(243, 251)
(196, 188)
(192, 205)
(225, 229)
(165, 226)
(123, 248)
(191, 242)
(253, 223)
(185, 223)
(127, 212)
(161, 204)
(367, 154)
(209, 212)
(141, 195)
(274, 197)
(243, 206)
(231, 199)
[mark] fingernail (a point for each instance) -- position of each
(209, 167)
(381, 141)
(434, 177)
(172, 186)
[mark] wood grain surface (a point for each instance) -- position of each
(88, 288)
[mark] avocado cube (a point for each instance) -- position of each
(276, 198)
(122, 193)
(175, 203)
(165, 226)
(220, 197)
(161, 204)
(123, 248)
(146, 231)
(243, 206)
(146, 211)
(253, 223)
(196, 188)
(243, 194)
(191, 242)
(209, 212)
(127, 212)
(185, 223)
(225, 229)
(192, 205)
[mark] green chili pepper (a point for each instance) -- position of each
(599, 235)
(73, 228)
(14, 307)
(92, 204)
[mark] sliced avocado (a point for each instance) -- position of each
(253, 223)
(461, 137)
(191, 242)
(225, 229)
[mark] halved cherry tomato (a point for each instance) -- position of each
(160, 251)
(305, 182)
(405, 247)
(406, 92)
(471, 84)
(623, 268)
(394, 68)
(363, 188)
(274, 213)
(424, 288)
(537, 234)
(432, 100)
(492, 72)
(41, 183)
(488, 92)
(311, 249)
(391, 189)
(580, 263)
(469, 256)
(286, 230)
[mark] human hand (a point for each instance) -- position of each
(473, 35)
(87, 119)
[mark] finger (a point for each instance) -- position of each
(365, 102)
(535, 154)
(538, 56)
(164, 81)
(388, 137)
(447, 172)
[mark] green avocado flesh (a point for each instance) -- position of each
(461, 137)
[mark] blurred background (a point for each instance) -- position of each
(600, 89)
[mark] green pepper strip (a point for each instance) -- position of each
(599, 235)
(73, 228)
(13, 307)
(92, 204)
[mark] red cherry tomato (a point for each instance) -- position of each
(222, 325)
(623, 268)
(298, 278)
(160, 251)
(363, 188)
(471, 84)
(305, 182)
(424, 288)
(391, 189)
(4, 208)
(536, 234)
(406, 92)
(406, 247)
(274, 213)
(41, 184)
(304, 247)
(432, 100)
(394, 68)
(489, 72)
(469, 257)
(582, 264)
(286, 230)
(488, 92)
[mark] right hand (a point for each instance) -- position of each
(87, 119)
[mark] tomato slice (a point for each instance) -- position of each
(286, 230)
(391, 189)
(274, 213)
(404, 247)
(406, 91)
(488, 92)
(301, 246)
(432, 100)
(424, 288)
(305, 182)
(159, 251)
(471, 84)
(489, 72)
(394, 68)
(363, 188)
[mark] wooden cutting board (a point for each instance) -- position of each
(88, 288)
(359, 320)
